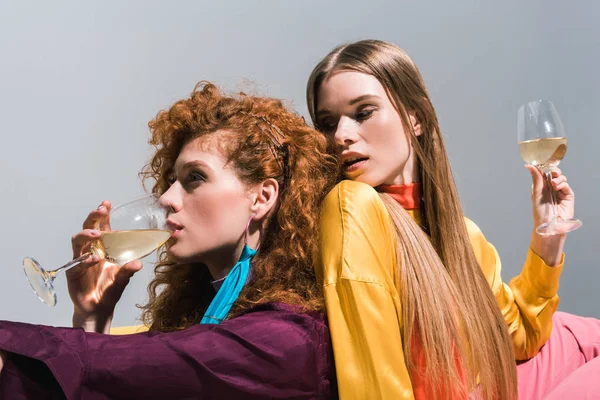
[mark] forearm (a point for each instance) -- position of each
(273, 341)
(531, 299)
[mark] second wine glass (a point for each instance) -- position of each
(543, 143)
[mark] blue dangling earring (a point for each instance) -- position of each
(233, 284)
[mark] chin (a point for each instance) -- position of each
(365, 176)
(181, 257)
(367, 180)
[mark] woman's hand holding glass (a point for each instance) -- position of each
(542, 145)
(550, 247)
(96, 285)
(563, 196)
(104, 252)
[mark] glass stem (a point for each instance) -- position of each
(553, 214)
(71, 264)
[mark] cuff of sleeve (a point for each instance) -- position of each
(541, 277)
(40, 343)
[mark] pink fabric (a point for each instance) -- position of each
(568, 366)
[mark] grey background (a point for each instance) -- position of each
(80, 80)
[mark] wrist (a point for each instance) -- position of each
(99, 323)
(548, 248)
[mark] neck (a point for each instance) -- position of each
(405, 178)
(407, 174)
(222, 261)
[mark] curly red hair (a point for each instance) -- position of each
(282, 271)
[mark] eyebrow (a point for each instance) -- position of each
(352, 102)
(196, 163)
(363, 97)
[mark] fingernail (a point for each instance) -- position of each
(101, 208)
(95, 233)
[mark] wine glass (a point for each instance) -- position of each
(138, 227)
(543, 143)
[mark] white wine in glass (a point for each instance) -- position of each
(121, 247)
(137, 229)
(543, 143)
(545, 153)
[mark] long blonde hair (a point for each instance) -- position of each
(447, 303)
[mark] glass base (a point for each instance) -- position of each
(558, 227)
(40, 281)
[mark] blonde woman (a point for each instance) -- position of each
(416, 304)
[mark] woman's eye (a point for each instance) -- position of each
(327, 126)
(196, 177)
(364, 114)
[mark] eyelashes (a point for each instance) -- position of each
(364, 115)
(191, 178)
(195, 176)
(327, 125)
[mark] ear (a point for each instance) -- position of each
(265, 196)
(414, 122)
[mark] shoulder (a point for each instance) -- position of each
(485, 252)
(348, 190)
(476, 236)
(472, 229)
(287, 324)
(354, 198)
(283, 342)
(270, 325)
(286, 329)
(282, 313)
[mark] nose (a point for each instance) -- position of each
(171, 199)
(346, 132)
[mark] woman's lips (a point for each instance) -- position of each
(175, 227)
(355, 166)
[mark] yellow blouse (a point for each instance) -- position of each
(357, 265)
